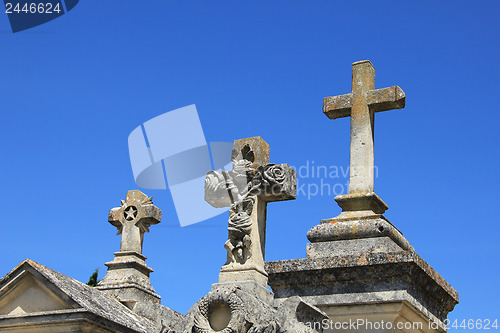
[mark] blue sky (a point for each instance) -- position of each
(73, 89)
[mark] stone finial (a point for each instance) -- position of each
(361, 105)
(246, 189)
(133, 218)
(361, 206)
(127, 277)
(360, 227)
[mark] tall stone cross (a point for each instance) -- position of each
(247, 189)
(361, 105)
(133, 218)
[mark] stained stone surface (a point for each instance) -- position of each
(364, 278)
(351, 247)
(374, 232)
(298, 316)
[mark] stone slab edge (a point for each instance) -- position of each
(369, 259)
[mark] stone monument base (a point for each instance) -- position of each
(395, 287)
(127, 279)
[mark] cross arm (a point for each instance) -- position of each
(278, 181)
(115, 219)
(378, 100)
(337, 106)
(149, 215)
(386, 99)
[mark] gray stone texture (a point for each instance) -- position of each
(364, 278)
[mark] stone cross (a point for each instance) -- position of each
(361, 105)
(247, 189)
(127, 278)
(133, 218)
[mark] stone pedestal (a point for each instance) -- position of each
(362, 272)
(395, 287)
(127, 279)
(251, 287)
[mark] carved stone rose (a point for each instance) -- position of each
(273, 174)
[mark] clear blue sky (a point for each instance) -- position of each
(73, 89)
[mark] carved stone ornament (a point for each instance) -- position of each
(223, 309)
(231, 310)
(239, 189)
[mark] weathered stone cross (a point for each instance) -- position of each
(361, 217)
(247, 189)
(133, 218)
(127, 277)
(361, 105)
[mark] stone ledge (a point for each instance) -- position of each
(364, 274)
(250, 286)
(128, 285)
(349, 247)
(361, 201)
(358, 229)
(62, 321)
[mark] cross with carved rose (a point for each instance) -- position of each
(247, 189)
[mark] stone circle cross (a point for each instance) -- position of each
(133, 218)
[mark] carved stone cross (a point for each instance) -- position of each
(127, 278)
(133, 218)
(361, 105)
(247, 189)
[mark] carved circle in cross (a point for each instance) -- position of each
(130, 213)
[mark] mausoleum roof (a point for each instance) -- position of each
(81, 297)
